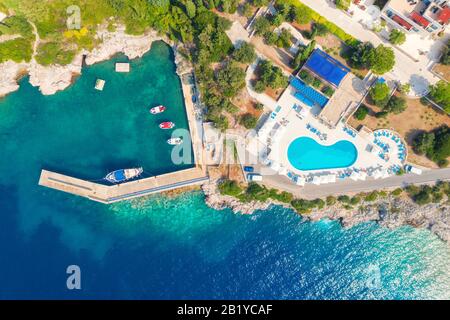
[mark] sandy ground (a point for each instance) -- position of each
(442, 70)
(408, 124)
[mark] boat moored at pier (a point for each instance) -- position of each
(123, 175)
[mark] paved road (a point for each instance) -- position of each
(311, 191)
(405, 70)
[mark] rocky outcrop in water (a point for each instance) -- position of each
(389, 212)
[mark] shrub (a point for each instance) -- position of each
(343, 4)
(259, 106)
(396, 105)
(317, 83)
(259, 86)
(328, 91)
(355, 200)
(344, 199)
(302, 205)
(422, 198)
(249, 121)
(381, 114)
(230, 187)
(397, 37)
(397, 192)
(284, 39)
(330, 200)
(361, 113)
(371, 196)
(17, 50)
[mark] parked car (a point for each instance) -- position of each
(254, 177)
(409, 168)
(249, 169)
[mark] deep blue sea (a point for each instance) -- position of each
(171, 247)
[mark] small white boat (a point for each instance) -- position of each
(175, 141)
(157, 109)
(122, 175)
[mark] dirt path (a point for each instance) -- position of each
(37, 40)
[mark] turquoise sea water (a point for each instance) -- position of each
(305, 153)
(161, 247)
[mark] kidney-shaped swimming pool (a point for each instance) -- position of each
(305, 153)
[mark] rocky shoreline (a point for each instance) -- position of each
(53, 78)
(388, 212)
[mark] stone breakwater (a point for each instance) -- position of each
(53, 78)
(388, 212)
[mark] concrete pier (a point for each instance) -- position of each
(141, 187)
(124, 191)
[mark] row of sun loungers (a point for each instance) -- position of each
(350, 132)
(322, 136)
(398, 142)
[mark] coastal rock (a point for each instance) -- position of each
(118, 41)
(215, 200)
(51, 79)
(10, 72)
(389, 212)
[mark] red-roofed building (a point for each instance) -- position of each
(444, 16)
(419, 19)
(426, 17)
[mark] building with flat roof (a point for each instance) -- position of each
(348, 94)
(426, 17)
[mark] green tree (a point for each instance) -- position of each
(303, 54)
(245, 53)
(262, 26)
(284, 39)
(361, 113)
(301, 14)
(379, 92)
(424, 143)
(343, 4)
(397, 37)
(440, 93)
(249, 121)
(247, 10)
(381, 59)
(396, 105)
(445, 58)
(231, 80)
(190, 8)
(359, 58)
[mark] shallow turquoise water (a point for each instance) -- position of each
(305, 153)
(162, 247)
